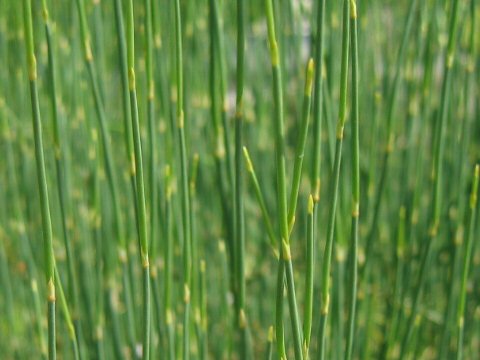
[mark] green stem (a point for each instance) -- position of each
(168, 256)
(317, 101)
(141, 214)
(355, 147)
(261, 202)
(300, 148)
(67, 315)
(308, 309)
(185, 195)
(41, 177)
(284, 244)
(327, 259)
(238, 184)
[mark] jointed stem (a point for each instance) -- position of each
(353, 254)
(41, 177)
(325, 281)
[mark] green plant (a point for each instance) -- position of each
(206, 157)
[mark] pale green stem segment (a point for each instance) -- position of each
(261, 201)
(308, 307)
(300, 148)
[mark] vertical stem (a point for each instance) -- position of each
(41, 177)
(317, 101)
(261, 202)
(140, 186)
(327, 259)
(355, 183)
(152, 135)
(300, 146)
(184, 183)
(238, 192)
(308, 309)
(67, 315)
(168, 256)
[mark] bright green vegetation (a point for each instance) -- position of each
(272, 179)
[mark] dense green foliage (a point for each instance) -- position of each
(239, 179)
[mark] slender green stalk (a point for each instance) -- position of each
(168, 273)
(152, 137)
(41, 177)
(317, 101)
(279, 327)
(284, 244)
(261, 202)
(141, 213)
(238, 190)
(300, 148)
(127, 124)
(308, 308)
(437, 171)
(355, 148)
(67, 315)
(466, 263)
(185, 193)
(327, 258)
